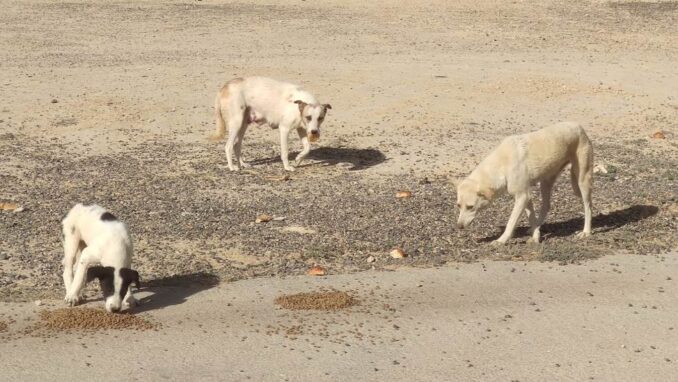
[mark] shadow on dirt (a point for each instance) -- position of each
(600, 223)
(359, 159)
(174, 290)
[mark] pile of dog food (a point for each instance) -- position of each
(322, 300)
(89, 319)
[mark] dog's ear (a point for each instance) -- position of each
(327, 106)
(487, 193)
(99, 272)
(130, 276)
(302, 105)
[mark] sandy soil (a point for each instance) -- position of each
(611, 319)
(110, 102)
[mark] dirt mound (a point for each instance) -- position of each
(322, 300)
(89, 319)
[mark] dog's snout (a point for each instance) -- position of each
(315, 132)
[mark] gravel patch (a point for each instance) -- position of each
(189, 216)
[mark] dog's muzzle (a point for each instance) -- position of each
(314, 136)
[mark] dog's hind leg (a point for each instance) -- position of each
(520, 204)
(236, 120)
(305, 143)
(582, 175)
(71, 249)
(238, 146)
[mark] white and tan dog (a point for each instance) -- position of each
(523, 160)
(262, 100)
(100, 246)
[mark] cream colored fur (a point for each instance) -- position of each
(524, 160)
(261, 100)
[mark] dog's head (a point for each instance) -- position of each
(471, 197)
(312, 116)
(114, 284)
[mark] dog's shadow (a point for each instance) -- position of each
(600, 223)
(359, 159)
(173, 290)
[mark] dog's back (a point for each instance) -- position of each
(547, 151)
(97, 227)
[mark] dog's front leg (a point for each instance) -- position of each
(129, 301)
(305, 143)
(73, 293)
(518, 207)
(284, 149)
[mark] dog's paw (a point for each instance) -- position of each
(583, 235)
(245, 165)
(498, 243)
(234, 168)
(72, 300)
(534, 240)
(289, 168)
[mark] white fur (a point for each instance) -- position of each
(523, 160)
(106, 243)
(262, 100)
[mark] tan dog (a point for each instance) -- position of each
(523, 160)
(262, 100)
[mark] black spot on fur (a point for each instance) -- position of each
(106, 279)
(105, 276)
(128, 276)
(107, 216)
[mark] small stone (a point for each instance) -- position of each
(263, 218)
(317, 271)
(345, 165)
(600, 169)
(371, 259)
(659, 135)
(54, 100)
(398, 253)
(38, 302)
(403, 194)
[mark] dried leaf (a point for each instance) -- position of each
(398, 253)
(316, 270)
(263, 218)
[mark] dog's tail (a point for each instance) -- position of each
(582, 165)
(220, 131)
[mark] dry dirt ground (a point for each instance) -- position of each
(609, 319)
(110, 102)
